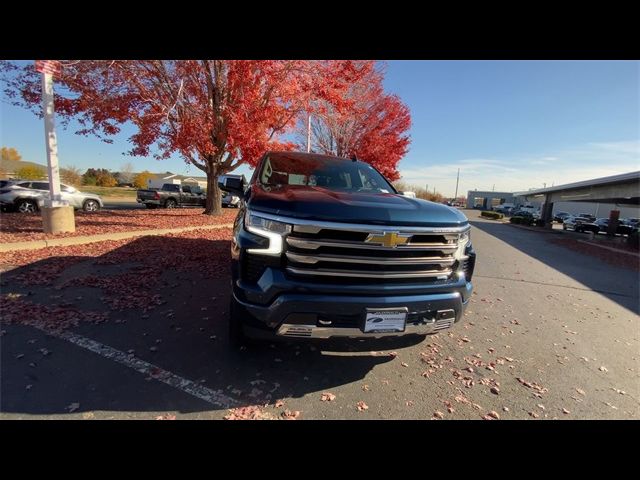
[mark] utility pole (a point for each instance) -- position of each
(309, 133)
(493, 189)
(457, 180)
(57, 215)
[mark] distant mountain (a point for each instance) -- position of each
(10, 166)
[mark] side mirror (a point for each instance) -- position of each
(232, 185)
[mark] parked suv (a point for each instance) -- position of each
(326, 247)
(27, 196)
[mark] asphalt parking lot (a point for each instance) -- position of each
(550, 333)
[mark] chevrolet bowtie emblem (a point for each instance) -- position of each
(388, 239)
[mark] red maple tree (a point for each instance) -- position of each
(216, 114)
(373, 128)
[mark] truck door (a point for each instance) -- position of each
(187, 195)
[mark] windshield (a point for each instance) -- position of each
(332, 174)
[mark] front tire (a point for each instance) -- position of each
(237, 337)
(27, 206)
(171, 203)
(91, 206)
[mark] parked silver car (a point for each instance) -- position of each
(27, 196)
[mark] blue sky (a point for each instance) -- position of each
(510, 124)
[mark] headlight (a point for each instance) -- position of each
(463, 241)
(265, 227)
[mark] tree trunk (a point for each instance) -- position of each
(213, 205)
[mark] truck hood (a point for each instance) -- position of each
(318, 203)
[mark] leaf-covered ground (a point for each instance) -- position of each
(141, 265)
(17, 227)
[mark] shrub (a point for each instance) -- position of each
(106, 180)
(71, 176)
(522, 220)
(539, 222)
(494, 215)
(31, 173)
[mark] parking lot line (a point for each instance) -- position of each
(214, 397)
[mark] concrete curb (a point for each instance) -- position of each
(535, 229)
(84, 239)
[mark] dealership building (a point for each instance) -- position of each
(488, 200)
(598, 197)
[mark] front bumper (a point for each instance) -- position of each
(324, 315)
(312, 331)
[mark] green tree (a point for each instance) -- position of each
(89, 180)
(141, 179)
(93, 175)
(9, 154)
(31, 173)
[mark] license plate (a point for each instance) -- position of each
(382, 320)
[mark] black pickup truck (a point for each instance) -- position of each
(326, 247)
(172, 196)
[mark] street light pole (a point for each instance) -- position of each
(57, 215)
(457, 180)
(51, 142)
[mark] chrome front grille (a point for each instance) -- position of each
(371, 252)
